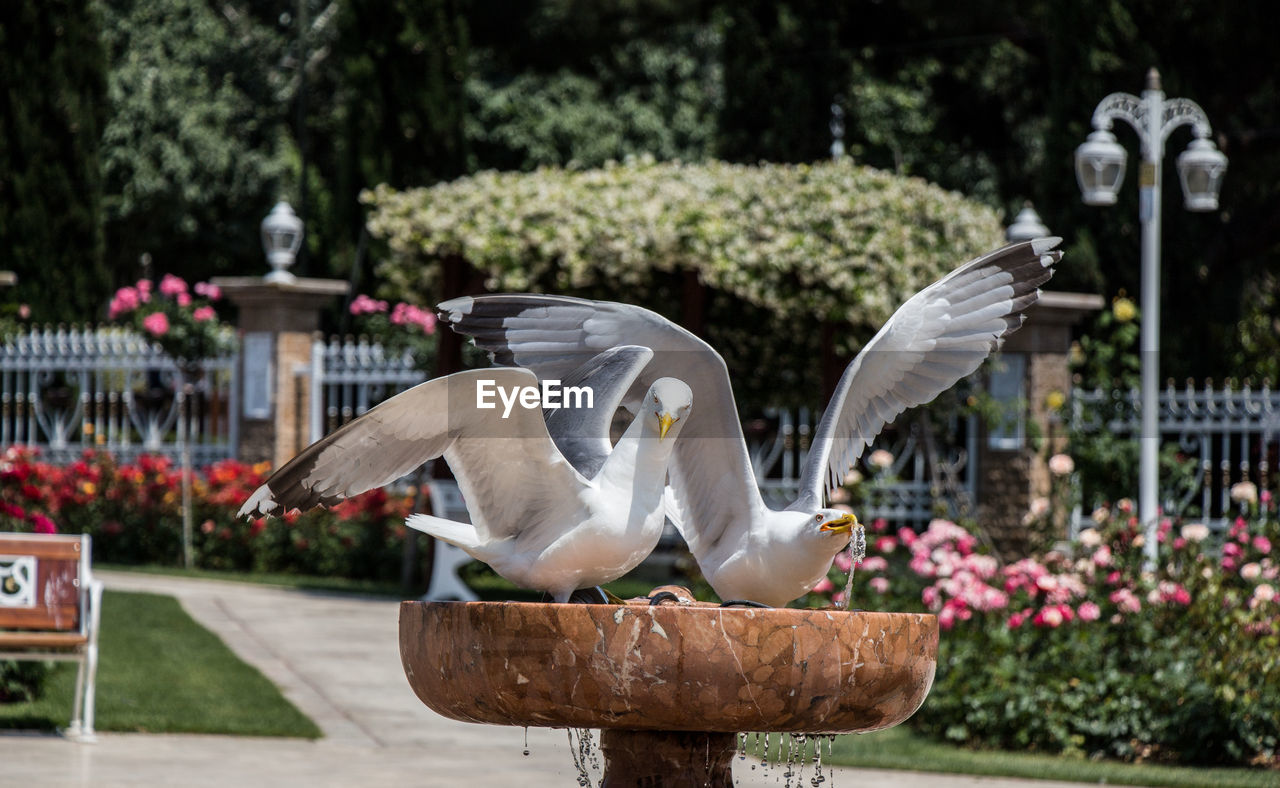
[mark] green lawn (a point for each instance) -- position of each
(160, 671)
(902, 748)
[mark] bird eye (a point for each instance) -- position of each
(817, 518)
(655, 399)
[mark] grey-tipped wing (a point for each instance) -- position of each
(939, 336)
(581, 429)
(499, 458)
(712, 480)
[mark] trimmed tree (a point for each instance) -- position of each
(785, 252)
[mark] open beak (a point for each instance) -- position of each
(664, 424)
(842, 525)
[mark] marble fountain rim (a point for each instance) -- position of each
(668, 667)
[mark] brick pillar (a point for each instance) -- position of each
(277, 321)
(1010, 477)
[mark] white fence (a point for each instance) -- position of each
(1232, 435)
(350, 376)
(64, 390)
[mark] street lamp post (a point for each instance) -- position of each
(1100, 166)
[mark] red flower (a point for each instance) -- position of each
(43, 525)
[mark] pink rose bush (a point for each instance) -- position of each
(181, 319)
(399, 328)
(1081, 649)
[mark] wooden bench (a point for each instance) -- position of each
(50, 607)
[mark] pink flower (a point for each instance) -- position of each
(879, 584)
(880, 459)
(1102, 556)
(156, 324)
(823, 586)
(1251, 571)
(126, 299)
(1126, 600)
(885, 544)
(43, 525)
(144, 288)
(906, 536)
(1262, 544)
(1195, 532)
(1061, 464)
(184, 299)
(1264, 592)
(172, 285)
(24, 311)
(211, 292)
(1089, 611)
(409, 314)
(364, 305)
(1016, 620)
(1050, 617)
(879, 525)
(875, 563)
(946, 618)
(204, 313)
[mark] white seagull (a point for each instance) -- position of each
(745, 549)
(535, 518)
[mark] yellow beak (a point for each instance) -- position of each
(842, 525)
(664, 424)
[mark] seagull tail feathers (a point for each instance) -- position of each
(461, 535)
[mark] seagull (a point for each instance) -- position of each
(746, 549)
(535, 517)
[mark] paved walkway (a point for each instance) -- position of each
(337, 658)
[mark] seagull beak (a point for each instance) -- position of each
(842, 525)
(664, 424)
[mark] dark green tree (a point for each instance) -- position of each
(192, 148)
(51, 116)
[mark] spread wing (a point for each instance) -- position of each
(581, 433)
(940, 335)
(712, 482)
(507, 468)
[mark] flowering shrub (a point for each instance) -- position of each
(831, 241)
(180, 319)
(1083, 651)
(132, 511)
(399, 329)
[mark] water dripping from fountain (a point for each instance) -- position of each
(526, 741)
(581, 752)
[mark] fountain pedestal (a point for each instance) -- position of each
(667, 759)
(670, 685)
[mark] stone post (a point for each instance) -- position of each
(277, 322)
(1012, 468)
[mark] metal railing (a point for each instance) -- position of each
(1231, 435)
(349, 376)
(64, 390)
(916, 480)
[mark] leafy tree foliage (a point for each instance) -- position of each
(192, 156)
(51, 114)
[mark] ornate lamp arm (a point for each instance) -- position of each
(1121, 106)
(1179, 112)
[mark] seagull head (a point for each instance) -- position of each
(834, 521)
(669, 401)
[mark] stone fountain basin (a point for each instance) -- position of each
(669, 667)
